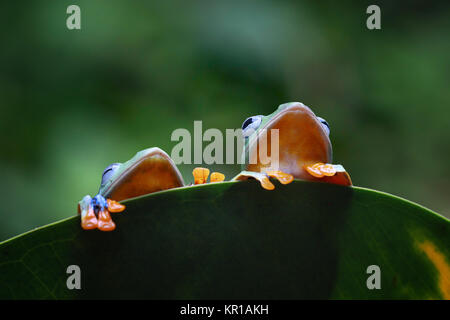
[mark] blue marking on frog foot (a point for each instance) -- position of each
(99, 203)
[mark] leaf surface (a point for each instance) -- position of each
(235, 240)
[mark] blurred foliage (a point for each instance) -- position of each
(73, 102)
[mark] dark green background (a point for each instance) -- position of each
(72, 102)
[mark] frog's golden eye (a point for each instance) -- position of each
(325, 125)
(250, 125)
(109, 171)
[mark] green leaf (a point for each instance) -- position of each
(236, 240)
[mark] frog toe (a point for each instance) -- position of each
(261, 177)
(114, 206)
(265, 183)
(320, 170)
(200, 175)
(330, 173)
(217, 177)
(105, 222)
(88, 219)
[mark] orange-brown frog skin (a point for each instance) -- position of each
(150, 170)
(303, 141)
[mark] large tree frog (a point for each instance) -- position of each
(304, 148)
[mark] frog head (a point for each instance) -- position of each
(150, 170)
(303, 139)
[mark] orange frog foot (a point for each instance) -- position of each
(201, 176)
(88, 207)
(331, 173)
(320, 170)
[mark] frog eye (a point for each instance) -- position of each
(325, 125)
(250, 125)
(109, 171)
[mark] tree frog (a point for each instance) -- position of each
(150, 170)
(304, 147)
